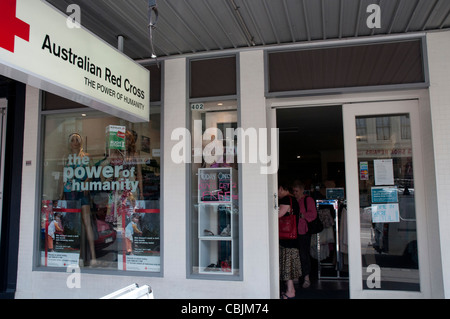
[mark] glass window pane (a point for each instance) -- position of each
(340, 67)
(214, 192)
(155, 82)
(405, 127)
(361, 129)
(213, 77)
(101, 192)
(383, 128)
(55, 102)
(387, 207)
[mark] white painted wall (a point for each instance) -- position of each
(438, 45)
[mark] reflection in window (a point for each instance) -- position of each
(361, 130)
(101, 192)
(387, 207)
(405, 124)
(383, 128)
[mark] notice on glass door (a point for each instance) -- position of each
(364, 171)
(384, 172)
(385, 213)
(384, 194)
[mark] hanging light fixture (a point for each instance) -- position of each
(152, 20)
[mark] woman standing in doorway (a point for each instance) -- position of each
(308, 213)
(290, 266)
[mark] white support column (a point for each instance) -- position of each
(174, 183)
(27, 207)
(256, 260)
(438, 45)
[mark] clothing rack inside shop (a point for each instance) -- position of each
(336, 263)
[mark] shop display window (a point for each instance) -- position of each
(100, 188)
(214, 215)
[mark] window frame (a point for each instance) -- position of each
(36, 255)
(189, 204)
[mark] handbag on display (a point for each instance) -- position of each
(287, 225)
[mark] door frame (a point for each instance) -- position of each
(3, 113)
(350, 111)
(420, 95)
(272, 196)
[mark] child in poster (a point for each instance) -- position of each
(62, 236)
(141, 241)
(132, 230)
(55, 227)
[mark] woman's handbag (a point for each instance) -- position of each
(287, 225)
(315, 226)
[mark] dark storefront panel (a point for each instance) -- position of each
(368, 65)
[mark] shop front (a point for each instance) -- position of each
(185, 198)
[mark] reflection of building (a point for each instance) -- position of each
(301, 77)
(374, 137)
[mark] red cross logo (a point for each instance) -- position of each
(10, 26)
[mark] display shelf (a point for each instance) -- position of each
(217, 220)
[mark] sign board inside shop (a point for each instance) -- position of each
(38, 48)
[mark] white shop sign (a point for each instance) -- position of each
(38, 48)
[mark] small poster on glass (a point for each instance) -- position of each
(62, 229)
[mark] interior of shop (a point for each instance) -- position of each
(311, 149)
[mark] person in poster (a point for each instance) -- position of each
(55, 227)
(141, 240)
(62, 234)
(131, 230)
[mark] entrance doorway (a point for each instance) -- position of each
(311, 150)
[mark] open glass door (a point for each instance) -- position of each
(385, 200)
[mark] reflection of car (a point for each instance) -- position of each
(106, 235)
(393, 238)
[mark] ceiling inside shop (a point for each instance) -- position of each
(194, 26)
(305, 133)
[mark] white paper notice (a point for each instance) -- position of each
(384, 172)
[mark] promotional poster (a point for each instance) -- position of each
(62, 230)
